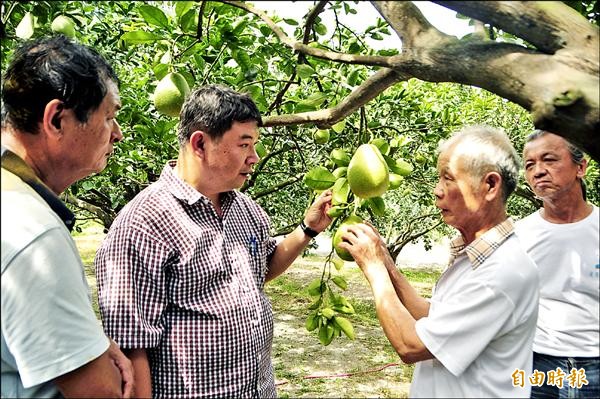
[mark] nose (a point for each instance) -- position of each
(253, 158)
(117, 133)
(538, 170)
(437, 190)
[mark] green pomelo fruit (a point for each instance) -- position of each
(321, 136)
(368, 173)
(395, 181)
(170, 94)
(340, 157)
(63, 24)
(337, 237)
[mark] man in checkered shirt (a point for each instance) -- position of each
(182, 270)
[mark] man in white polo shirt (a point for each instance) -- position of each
(474, 337)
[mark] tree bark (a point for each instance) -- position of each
(554, 74)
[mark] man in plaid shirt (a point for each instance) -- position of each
(182, 270)
(477, 330)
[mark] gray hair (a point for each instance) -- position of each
(577, 156)
(485, 149)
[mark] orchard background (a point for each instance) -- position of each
(526, 65)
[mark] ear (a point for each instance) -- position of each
(492, 183)
(581, 168)
(198, 142)
(53, 117)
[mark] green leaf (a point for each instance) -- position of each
(261, 150)
(25, 28)
(290, 21)
(320, 29)
(154, 16)
(315, 99)
(345, 325)
(340, 172)
(312, 322)
(328, 312)
(340, 282)
(377, 205)
(339, 157)
(140, 37)
(338, 263)
(336, 211)
(340, 191)
(339, 127)
(319, 178)
(304, 71)
(353, 77)
(242, 58)
(189, 21)
(382, 145)
(398, 166)
(326, 334)
(181, 7)
(316, 287)
(316, 305)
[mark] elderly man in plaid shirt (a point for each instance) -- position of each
(182, 270)
(478, 327)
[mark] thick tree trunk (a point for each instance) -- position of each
(555, 75)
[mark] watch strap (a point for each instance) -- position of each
(308, 231)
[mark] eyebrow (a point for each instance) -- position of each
(246, 136)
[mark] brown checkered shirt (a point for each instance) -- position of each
(187, 285)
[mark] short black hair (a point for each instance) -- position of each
(213, 109)
(53, 68)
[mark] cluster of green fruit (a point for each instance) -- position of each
(365, 176)
(357, 182)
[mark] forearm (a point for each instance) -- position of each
(397, 322)
(286, 252)
(100, 378)
(410, 298)
(141, 367)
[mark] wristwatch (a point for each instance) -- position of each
(308, 231)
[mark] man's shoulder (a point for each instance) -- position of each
(245, 199)
(25, 215)
(512, 259)
(148, 203)
(529, 220)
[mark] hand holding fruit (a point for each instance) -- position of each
(316, 216)
(363, 242)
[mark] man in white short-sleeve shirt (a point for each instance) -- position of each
(562, 238)
(59, 100)
(474, 337)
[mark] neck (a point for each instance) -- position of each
(483, 223)
(188, 170)
(32, 149)
(568, 209)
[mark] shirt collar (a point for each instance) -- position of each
(483, 247)
(14, 164)
(184, 192)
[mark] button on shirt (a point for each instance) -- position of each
(186, 284)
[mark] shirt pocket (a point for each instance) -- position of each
(257, 258)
